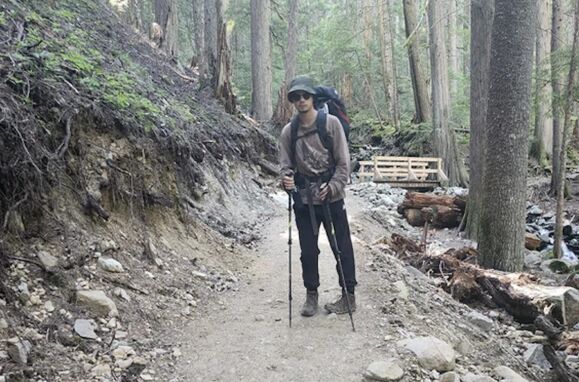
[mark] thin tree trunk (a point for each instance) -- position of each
(346, 88)
(134, 14)
(385, 56)
(284, 110)
(482, 12)
(543, 133)
(395, 109)
(453, 48)
(211, 31)
(166, 16)
(370, 94)
(556, 35)
(223, 88)
(199, 58)
(443, 137)
(419, 81)
(569, 100)
(365, 67)
(261, 77)
(502, 231)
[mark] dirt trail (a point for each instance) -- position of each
(249, 338)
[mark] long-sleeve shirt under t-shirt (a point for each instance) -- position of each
(313, 159)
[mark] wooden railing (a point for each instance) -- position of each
(409, 172)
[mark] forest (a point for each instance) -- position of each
(410, 70)
(144, 235)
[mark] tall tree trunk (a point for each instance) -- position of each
(388, 64)
(443, 137)
(199, 58)
(482, 12)
(395, 109)
(346, 88)
(211, 32)
(567, 128)
(419, 81)
(261, 77)
(385, 56)
(556, 35)
(543, 133)
(366, 64)
(502, 231)
(464, 54)
(223, 88)
(283, 109)
(453, 48)
(133, 15)
(166, 16)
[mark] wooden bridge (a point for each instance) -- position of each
(404, 172)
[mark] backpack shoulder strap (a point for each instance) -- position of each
(321, 121)
(293, 139)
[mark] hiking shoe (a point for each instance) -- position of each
(311, 305)
(340, 306)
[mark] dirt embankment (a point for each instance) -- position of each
(124, 194)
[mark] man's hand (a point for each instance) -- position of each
(325, 191)
(288, 183)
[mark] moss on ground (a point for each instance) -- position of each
(58, 48)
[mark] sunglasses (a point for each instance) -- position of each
(295, 97)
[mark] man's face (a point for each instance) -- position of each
(302, 101)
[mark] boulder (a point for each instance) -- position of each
(432, 353)
(97, 302)
(534, 355)
(506, 374)
(480, 320)
(388, 370)
(450, 376)
(102, 370)
(49, 262)
(19, 350)
(123, 352)
(110, 265)
(85, 329)
(470, 377)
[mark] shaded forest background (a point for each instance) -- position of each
(361, 48)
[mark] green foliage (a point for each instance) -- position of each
(79, 61)
(120, 90)
(184, 111)
(56, 49)
(64, 14)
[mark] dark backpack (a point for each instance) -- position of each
(325, 97)
(328, 96)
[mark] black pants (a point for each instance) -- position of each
(309, 244)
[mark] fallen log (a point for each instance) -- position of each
(516, 293)
(532, 241)
(440, 216)
(414, 217)
(420, 200)
(441, 211)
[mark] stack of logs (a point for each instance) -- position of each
(440, 211)
(446, 211)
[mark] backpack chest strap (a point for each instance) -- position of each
(321, 130)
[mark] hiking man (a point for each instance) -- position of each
(315, 168)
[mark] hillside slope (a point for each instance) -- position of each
(108, 152)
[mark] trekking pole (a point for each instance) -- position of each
(338, 256)
(289, 242)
